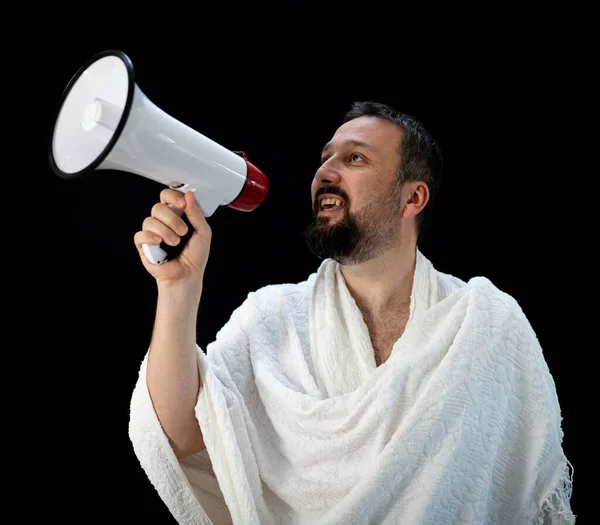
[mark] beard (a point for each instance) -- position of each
(357, 236)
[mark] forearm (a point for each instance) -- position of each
(172, 373)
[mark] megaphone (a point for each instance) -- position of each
(105, 122)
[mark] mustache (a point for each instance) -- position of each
(332, 190)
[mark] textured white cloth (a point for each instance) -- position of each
(461, 425)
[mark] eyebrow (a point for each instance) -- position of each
(352, 142)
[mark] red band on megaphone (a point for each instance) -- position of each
(254, 191)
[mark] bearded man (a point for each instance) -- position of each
(377, 391)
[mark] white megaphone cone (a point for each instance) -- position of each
(105, 121)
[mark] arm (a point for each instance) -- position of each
(172, 373)
(172, 376)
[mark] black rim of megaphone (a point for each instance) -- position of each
(130, 92)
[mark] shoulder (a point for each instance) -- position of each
(436, 287)
(275, 299)
(479, 302)
(478, 292)
(486, 296)
(491, 308)
(267, 311)
(500, 320)
(274, 295)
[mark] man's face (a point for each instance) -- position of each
(355, 195)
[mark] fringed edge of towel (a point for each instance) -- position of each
(557, 505)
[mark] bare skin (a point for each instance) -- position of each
(362, 159)
(172, 375)
(385, 329)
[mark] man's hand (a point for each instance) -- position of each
(164, 224)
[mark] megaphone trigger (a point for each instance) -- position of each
(163, 252)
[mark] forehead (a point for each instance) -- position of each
(377, 134)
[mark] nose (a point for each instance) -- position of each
(326, 174)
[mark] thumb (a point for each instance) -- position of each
(194, 213)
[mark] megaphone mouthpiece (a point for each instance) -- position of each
(254, 191)
(105, 122)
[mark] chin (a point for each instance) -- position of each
(323, 221)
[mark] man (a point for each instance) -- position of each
(378, 391)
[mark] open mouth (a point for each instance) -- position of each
(328, 204)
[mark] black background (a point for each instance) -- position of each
(503, 99)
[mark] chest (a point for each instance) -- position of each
(384, 333)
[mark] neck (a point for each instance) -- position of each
(383, 284)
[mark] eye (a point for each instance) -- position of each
(354, 157)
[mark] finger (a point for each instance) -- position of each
(145, 237)
(157, 227)
(196, 216)
(170, 217)
(174, 197)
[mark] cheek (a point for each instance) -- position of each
(313, 189)
(362, 196)
(360, 193)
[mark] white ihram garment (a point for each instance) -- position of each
(461, 425)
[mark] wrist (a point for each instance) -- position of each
(182, 295)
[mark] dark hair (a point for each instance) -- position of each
(421, 157)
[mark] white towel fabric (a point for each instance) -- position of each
(461, 424)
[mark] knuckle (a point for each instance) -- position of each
(168, 195)
(156, 209)
(150, 224)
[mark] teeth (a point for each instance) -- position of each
(331, 201)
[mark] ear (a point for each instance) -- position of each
(417, 198)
